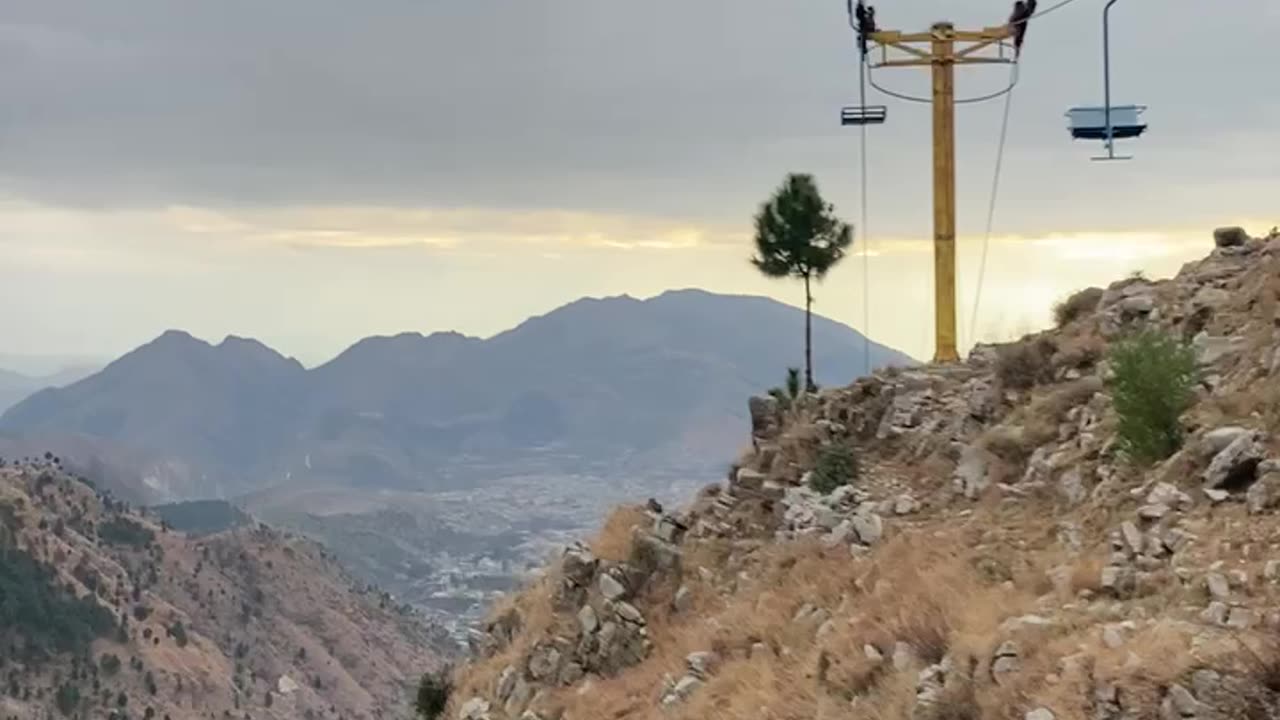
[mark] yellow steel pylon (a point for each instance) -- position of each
(946, 48)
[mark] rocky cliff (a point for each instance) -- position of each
(987, 550)
(107, 613)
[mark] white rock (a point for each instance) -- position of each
(873, 654)
(477, 708)
(1215, 495)
(506, 683)
(868, 526)
(905, 505)
(1040, 714)
(1153, 512)
(1241, 618)
(683, 599)
(1132, 536)
(286, 686)
(1219, 588)
(1272, 570)
(587, 619)
(629, 613)
(610, 587)
(840, 535)
(686, 686)
(702, 664)
(1215, 614)
(1112, 637)
(1218, 439)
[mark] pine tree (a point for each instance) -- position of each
(798, 235)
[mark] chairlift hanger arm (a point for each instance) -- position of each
(980, 39)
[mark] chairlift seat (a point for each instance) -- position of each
(1090, 123)
(863, 115)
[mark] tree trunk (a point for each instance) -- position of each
(808, 337)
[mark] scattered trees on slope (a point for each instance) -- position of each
(37, 610)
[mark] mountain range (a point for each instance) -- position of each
(613, 381)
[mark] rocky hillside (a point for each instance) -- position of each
(108, 613)
(987, 552)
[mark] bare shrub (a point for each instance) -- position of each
(1077, 306)
(1024, 364)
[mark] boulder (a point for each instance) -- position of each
(868, 526)
(651, 555)
(970, 476)
(683, 599)
(686, 686)
(1232, 236)
(1040, 714)
(702, 664)
(520, 698)
(1071, 486)
(544, 663)
(1217, 439)
(840, 535)
(1241, 618)
(627, 612)
(764, 411)
(1210, 297)
(1153, 512)
(1132, 537)
(1219, 588)
(1005, 660)
(1178, 704)
(905, 505)
(1169, 495)
(571, 673)
(578, 565)
(1215, 614)
(1236, 464)
(587, 620)
(611, 588)
(669, 528)
(1119, 580)
(477, 708)
(1264, 494)
(748, 479)
(1216, 495)
(505, 684)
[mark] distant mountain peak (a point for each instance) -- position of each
(175, 336)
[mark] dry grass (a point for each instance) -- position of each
(613, 542)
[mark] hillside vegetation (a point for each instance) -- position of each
(1038, 533)
(104, 612)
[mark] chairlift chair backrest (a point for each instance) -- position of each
(863, 115)
(1090, 123)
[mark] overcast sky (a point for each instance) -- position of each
(312, 171)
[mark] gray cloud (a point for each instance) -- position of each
(664, 106)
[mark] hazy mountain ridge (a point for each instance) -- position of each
(596, 380)
(16, 386)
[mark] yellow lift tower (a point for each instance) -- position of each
(942, 48)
